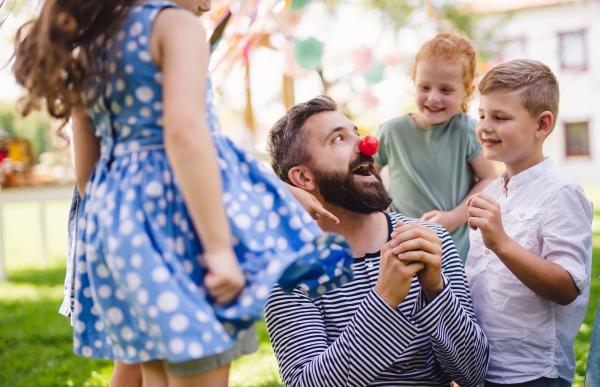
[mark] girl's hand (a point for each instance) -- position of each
(485, 215)
(311, 204)
(225, 279)
(444, 218)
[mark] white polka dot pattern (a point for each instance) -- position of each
(140, 269)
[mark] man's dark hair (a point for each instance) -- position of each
(287, 139)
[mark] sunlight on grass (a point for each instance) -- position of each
(592, 191)
(26, 293)
(36, 345)
(258, 369)
(23, 241)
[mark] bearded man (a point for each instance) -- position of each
(406, 318)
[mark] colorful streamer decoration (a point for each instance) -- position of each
(6, 8)
(246, 22)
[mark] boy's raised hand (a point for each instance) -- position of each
(413, 242)
(485, 215)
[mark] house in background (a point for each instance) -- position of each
(565, 35)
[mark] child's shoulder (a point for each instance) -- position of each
(144, 14)
(154, 4)
(559, 180)
(147, 11)
(553, 186)
(396, 123)
(463, 122)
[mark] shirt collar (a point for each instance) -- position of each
(528, 174)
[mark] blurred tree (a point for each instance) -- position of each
(445, 15)
(35, 128)
(397, 12)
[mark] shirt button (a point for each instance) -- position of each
(503, 192)
(487, 251)
(522, 216)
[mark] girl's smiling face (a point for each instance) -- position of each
(440, 91)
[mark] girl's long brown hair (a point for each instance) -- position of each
(54, 56)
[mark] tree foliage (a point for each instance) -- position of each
(35, 128)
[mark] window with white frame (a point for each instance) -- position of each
(513, 49)
(577, 139)
(572, 50)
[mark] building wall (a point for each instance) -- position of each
(534, 33)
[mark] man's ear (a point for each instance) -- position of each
(302, 177)
(545, 123)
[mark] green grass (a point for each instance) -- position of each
(36, 342)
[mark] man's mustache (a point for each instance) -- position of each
(360, 159)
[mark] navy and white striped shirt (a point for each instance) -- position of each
(351, 337)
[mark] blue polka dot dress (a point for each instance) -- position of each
(139, 293)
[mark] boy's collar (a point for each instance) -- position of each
(528, 174)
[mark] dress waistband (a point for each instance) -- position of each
(118, 153)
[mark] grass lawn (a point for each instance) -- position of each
(36, 342)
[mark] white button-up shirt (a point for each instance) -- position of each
(546, 211)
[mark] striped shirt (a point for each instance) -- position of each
(351, 337)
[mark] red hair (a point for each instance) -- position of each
(454, 49)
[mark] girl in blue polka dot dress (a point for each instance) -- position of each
(181, 234)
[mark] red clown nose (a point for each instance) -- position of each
(369, 145)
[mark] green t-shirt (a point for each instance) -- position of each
(430, 168)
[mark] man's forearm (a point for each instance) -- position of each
(370, 343)
(457, 341)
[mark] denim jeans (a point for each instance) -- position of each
(592, 371)
(542, 382)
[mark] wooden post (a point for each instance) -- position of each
(42, 213)
(288, 91)
(249, 114)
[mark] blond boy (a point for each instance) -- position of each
(531, 239)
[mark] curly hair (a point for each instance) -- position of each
(287, 139)
(55, 52)
(451, 48)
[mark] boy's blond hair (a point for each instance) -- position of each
(534, 82)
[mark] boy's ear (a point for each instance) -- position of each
(545, 124)
(302, 177)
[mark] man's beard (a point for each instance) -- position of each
(343, 190)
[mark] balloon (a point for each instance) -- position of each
(298, 4)
(369, 99)
(308, 53)
(375, 74)
(362, 58)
